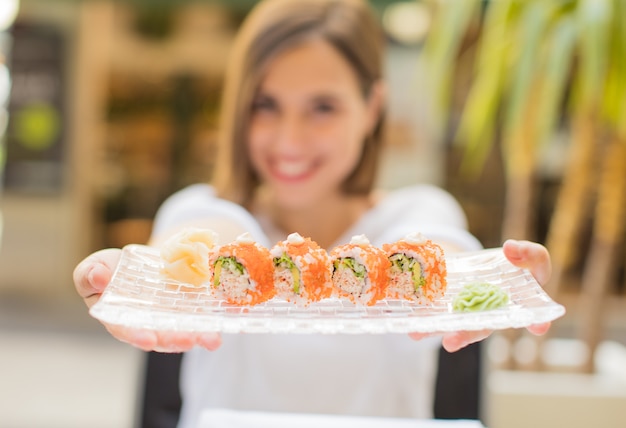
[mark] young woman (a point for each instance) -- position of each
(302, 118)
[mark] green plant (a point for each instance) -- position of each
(543, 67)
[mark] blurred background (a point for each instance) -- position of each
(516, 107)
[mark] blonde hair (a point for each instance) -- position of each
(348, 25)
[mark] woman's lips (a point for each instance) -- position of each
(292, 170)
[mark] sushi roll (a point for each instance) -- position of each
(360, 271)
(302, 270)
(186, 256)
(417, 271)
(243, 272)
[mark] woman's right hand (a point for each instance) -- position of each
(92, 276)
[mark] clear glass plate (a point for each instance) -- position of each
(140, 297)
(226, 418)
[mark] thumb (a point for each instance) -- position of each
(94, 273)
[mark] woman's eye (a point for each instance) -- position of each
(324, 108)
(263, 104)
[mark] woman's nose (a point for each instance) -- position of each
(291, 132)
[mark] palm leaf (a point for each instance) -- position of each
(614, 100)
(594, 21)
(530, 31)
(476, 129)
(559, 57)
(450, 25)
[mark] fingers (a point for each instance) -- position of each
(420, 336)
(93, 274)
(453, 342)
(536, 258)
(169, 342)
(456, 341)
(523, 254)
(531, 256)
(539, 329)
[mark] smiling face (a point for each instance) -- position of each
(308, 124)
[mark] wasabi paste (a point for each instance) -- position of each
(480, 296)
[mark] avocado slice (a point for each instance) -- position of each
(402, 263)
(229, 263)
(286, 262)
(349, 263)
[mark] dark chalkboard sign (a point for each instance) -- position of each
(35, 137)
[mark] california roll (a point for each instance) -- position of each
(417, 269)
(360, 271)
(302, 270)
(243, 272)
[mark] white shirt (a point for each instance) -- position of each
(367, 375)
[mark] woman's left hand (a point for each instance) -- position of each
(523, 254)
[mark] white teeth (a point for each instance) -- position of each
(291, 168)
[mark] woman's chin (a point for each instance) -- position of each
(294, 203)
(298, 195)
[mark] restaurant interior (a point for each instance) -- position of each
(107, 107)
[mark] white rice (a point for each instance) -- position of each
(235, 285)
(347, 282)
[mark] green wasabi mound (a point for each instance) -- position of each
(480, 296)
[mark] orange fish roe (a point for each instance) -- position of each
(360, 271)
(243, 272)
(418, 270)
(302, 270)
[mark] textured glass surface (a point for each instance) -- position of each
(139, 296)
(225, 418)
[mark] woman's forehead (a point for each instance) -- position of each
(309, 67)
